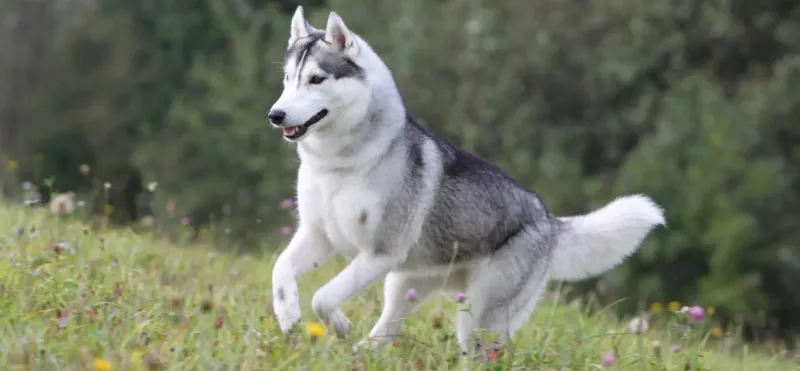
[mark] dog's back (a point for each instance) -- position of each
(476, 208)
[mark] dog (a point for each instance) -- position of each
(401, 203)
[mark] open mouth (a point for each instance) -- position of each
(295, 132)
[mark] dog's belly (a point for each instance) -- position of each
(425, 267)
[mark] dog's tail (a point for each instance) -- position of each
(591, 244)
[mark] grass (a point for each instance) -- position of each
(75, 298)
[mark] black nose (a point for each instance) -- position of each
(276, 116)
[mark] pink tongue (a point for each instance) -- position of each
(290, 131)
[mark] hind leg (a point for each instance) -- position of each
(396, 306)
(503, 292)
(501, 321)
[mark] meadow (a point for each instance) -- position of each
(75, 296)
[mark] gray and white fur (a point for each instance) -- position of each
(406, 205)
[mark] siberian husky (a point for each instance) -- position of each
(404, 204)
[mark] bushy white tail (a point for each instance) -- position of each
(594, 243)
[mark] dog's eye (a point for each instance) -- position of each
(315, 80)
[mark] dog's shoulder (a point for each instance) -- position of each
(456, 161)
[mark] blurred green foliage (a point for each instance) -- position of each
(694, 103)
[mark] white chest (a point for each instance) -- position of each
(346, 208)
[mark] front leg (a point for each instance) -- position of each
(364, 270)
(307, 250)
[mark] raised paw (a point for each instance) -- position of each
(341, 325)
(287, 317)
(287, 310)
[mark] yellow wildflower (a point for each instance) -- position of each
(316, 329)
(674, 305)
(716, 332)
(656, 307)
(711, 309)
(102, 365)
(12, 164)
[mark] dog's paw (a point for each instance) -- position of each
(361, 345)
(287, 318)
(341, 325)
(372, 342)
(366, 344)
(287, 311)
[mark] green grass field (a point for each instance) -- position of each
(75, 298)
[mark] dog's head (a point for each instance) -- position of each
(324, 83)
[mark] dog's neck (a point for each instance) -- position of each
(357, 148)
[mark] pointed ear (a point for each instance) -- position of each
(300, 28)
(340, 36)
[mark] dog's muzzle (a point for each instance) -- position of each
(295, 132)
